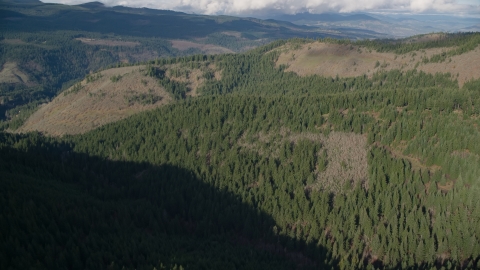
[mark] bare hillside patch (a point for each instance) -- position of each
(10, 73)
(347, 162)
(333, 60)
(346, 155)
(108, 96)
(463, 67)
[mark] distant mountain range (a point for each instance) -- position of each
(325, 17)
(392, 25)
(33, 15)
(95, 16)
(47, 47)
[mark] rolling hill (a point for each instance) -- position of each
(87, 105)
(257, 168)
(297, 154)
(326, 59)
(142, 22)
(46, 48)
(112, 95)
(105, 101)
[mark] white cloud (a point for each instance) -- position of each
(239, 7)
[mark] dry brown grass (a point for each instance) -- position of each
(104, 101)
(350, 61)
(466, 65)
(97, 103)
(107, 42)
(10, 73)
(183, 45)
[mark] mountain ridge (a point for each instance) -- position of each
(326, 17)
(306, 58)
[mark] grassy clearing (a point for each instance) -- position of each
(345, 60)
(11, 73)
(96, 102)
(112, 95)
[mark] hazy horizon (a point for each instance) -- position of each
(470, 8)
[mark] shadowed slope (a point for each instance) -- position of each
(69, 210)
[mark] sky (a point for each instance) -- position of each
(258, 7)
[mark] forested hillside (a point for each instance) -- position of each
(50, 62)
(264, 169)
(340, 65)
(46, 48)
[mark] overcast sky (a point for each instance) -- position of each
(251, 7)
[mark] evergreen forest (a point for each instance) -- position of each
(56, 45)
(265, 169)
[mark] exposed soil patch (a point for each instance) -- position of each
(10, 73)
(107, 42)
(183, 45)
(447, 187)
(350, 61)
(100, 101)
